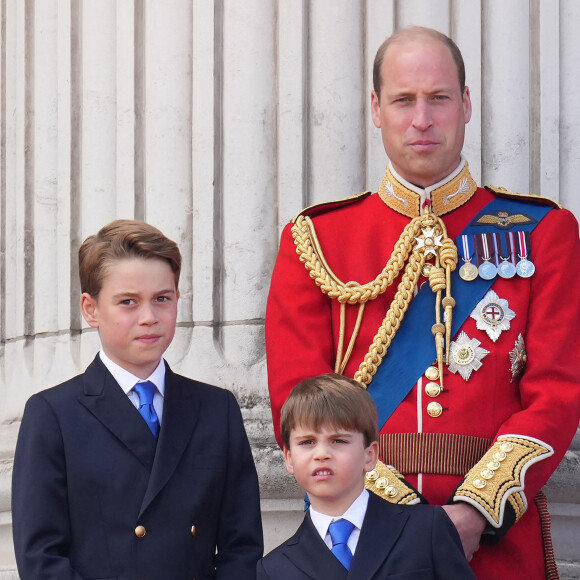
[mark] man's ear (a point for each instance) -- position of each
(89, 308)
(372, 456)
(288, 460)
(375, 109)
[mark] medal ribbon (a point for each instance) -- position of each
(524, 245)
(511, 240)
(495, 237)
(466, 248)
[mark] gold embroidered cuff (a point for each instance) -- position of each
(498, 478)
(389, 484)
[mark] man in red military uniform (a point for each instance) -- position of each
(447, 301)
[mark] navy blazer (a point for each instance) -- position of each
(88, 473)
(396, 542)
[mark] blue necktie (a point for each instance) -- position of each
(146, 391)
(340, 531)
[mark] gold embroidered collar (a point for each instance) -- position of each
(446, 195)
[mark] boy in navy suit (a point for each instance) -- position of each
(329, 431)
(130, 471)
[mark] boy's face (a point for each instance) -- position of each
(330, 465)
(135, 313)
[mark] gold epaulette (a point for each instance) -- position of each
(539, 199)
(389, 484)
(498, 479)
(323, 207)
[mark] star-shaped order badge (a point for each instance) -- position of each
(493, 315)
(518, 358)
(465, 355)
(429, 241)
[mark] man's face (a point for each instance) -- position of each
(421, 111)
(135, 312)
(329, 464)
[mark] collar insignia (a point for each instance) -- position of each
(445, 197)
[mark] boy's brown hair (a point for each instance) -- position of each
(330, 400)
(119, 240)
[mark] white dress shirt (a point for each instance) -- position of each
(128, 380)
(354, 514)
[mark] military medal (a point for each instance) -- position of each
(487, 269)
(466, 355)
(518, 358)
(493, 315)
(468, 271)
(507, 268)
(525, 267)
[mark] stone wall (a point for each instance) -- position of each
(217, 121)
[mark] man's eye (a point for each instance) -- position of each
(128, 302)
(163, 299)
(340, 441)
(306, 442)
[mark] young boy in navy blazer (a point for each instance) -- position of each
(329, 431)
(130, 471)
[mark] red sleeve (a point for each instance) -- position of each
(298, 322)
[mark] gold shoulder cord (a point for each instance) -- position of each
(423, 237)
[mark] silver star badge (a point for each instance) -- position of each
(493, 315)
(429, 241)
(465, 355)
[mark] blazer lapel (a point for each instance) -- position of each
(180, 415)
(382, 526)
(105, 399)
(308, 552)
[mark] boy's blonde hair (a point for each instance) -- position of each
(119, 240)
(330, 400)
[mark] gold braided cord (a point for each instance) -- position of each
(308, 249)
(407, 254)
(446, 260)
(392, 320)
(355, 332)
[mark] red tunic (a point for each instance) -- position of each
(302, 327)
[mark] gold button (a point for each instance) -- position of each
(382, 482)
(426, 270)
(506, 446)
(495, 465)
(140, 531)
(372, 475)
(193, 530)
(434, 409)
(432, 373)
(479, 483)
(487, 473)
(432, 389)
(499, 456)
(391, 491)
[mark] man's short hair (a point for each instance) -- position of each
(119, 240)
(413, 33)
(330, 400)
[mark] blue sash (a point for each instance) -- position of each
(413, 348)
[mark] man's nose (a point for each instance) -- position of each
(422, 117)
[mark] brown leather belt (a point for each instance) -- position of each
(440, 453)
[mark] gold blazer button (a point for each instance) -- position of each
(140, 531)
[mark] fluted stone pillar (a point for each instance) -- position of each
(217, 121)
